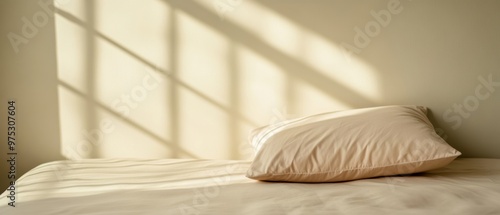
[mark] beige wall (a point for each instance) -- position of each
(159, 78)
(28, 76)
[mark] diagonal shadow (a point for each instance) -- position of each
(317, 24)
(293, 67)
(90, 65)
(173, 100)
(93, 102)
(82, 24)
(234, 76)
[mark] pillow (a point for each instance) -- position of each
(349, 145)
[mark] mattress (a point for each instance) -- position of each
(182, 186)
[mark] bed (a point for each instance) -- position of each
(379, 160)
(188, 186)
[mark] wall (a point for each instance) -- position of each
(190, 79)
(29, 77)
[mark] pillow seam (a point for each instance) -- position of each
(362, 167)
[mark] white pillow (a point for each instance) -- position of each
(349, 145)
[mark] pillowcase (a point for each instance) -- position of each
(349, 145)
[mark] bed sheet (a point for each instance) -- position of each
(184, 186)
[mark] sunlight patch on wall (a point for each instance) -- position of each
(130, 140)
(71, 116)
(112, 82)
(262, 86)
(203, 127)
(72, 57)
(309, 48)
(72, 90)
(309, 100)
(139, 26)
(268, 26)
(332, 61)
(174, 86)
(202, 59)
(132, 89)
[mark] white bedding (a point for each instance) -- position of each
(171, 186)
